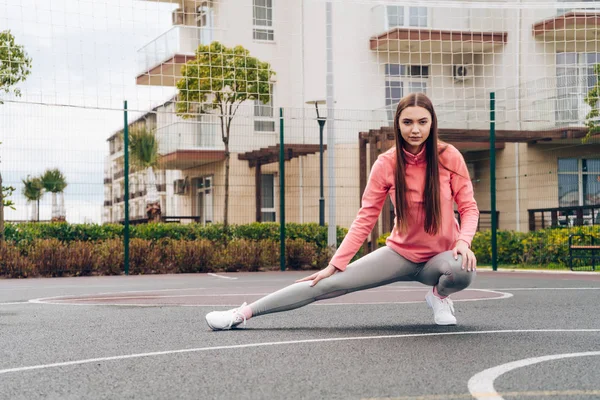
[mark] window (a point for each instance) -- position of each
(561, 11)
(398, 78)
(262, 19)
(574, 78)
(578, 182)
(267, 188)
(204, 21)
(205, 200)
(406, 16)
(263, 113)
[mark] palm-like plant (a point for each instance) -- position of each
(143, 147)
(33, 191)
(54, 182)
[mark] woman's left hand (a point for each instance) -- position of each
(468, 257)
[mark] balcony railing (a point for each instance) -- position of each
(562, 217)
(179, 39)
(485, 219)
(194, 135)
(540, 104)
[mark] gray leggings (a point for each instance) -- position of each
(378, 268)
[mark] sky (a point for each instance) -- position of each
(84, 63)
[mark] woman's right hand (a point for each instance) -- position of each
(322, 274)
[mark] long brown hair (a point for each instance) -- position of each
(432, 208)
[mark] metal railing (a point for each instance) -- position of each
(562, 217)
(189, 135)
(180, 39)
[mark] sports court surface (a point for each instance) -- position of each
(519, 335)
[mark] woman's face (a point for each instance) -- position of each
(415, 125)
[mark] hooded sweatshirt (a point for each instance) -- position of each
(415, 244)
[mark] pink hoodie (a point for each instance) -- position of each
(415, 245)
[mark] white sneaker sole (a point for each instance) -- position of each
(227, 328)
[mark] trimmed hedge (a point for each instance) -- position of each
(542, 247)
(60, 249)
(51, 257)
(64, 232)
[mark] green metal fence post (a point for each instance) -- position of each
(493, 180)
(281, 193)
(126, 172)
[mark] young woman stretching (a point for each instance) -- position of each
(423, 177)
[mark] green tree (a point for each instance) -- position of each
(15, 65)
(591, 99)
(54, 182)
(7, 191)
(221, 78)
(33, 189)
(143, 147)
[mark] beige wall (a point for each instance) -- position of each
(302, 201)
(535, 184)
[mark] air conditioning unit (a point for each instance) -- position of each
(178, 17)
(179, 186)
(462, 72)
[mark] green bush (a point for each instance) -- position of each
(12, 263)
(547, 247)
(217, 233)
(247, 255)
(59, 249)
(189, 256)
(111, 254)
(300, 254)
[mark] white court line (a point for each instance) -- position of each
(267, 344)
(221, 276)
(83, 298)
(481, 385)
(14, 303)
(58, 300)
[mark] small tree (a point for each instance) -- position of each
(5, 193)
(33, 191)
(144, 154)
(15, 66)
(54, 182)
(591, 99)
(229, 76)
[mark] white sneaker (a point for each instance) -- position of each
(223, 320)
(443, 309)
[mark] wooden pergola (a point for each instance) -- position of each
(268, 155)
(382, 139)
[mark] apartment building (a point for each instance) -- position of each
(538, 62)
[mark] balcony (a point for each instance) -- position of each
(563, 217)
(183, 145)
(575, 31)
(412, 32)
(160, 61)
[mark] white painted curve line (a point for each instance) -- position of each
(267, 344)
(481, 385)
(64, 300)
(221, 276)
(14, 303)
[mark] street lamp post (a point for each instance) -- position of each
(321, 121)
